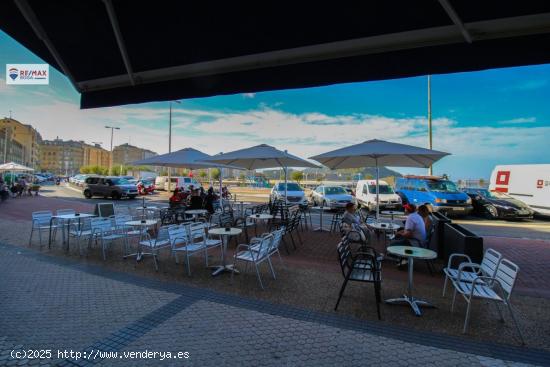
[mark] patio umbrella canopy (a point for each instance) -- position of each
(119, 52)
(14, 167)
(184, 158)
(261, 156)
(373, 153)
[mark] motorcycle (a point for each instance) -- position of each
(145, 188)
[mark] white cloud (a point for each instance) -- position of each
(519, 120)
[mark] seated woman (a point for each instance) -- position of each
(424, 212)
(351, 221)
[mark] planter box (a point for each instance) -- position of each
(458, 239)
(437, 241)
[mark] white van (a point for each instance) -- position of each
(161, 182)
(529, 183)
(365, 194)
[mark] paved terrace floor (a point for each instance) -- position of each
(59, 304)
(55, 301)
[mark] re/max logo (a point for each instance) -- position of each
(27, 74)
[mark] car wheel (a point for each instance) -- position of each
(491, 212)
(87, 194)
(324, 204)
(115, 195)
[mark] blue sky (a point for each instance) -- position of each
(499, 116)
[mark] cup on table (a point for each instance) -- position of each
(77, 214)
(227, 229)
(143, 221)
(408, 251)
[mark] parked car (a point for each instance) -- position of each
(365, 194)
(529, 183)
(494, 204)
(295, 194)
(78, 180)
(331, 196)
(440, 193)
(114, 187)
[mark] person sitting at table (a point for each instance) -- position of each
(425, 212)
(195, 201)
(176, 198)
(414, 228)
(351, 221)
(211, 197)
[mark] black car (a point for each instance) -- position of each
(493, 205)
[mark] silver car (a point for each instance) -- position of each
(331, 196)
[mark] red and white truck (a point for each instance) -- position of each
(529, 183)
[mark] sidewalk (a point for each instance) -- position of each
(56, 303)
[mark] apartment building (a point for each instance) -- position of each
(20, 143)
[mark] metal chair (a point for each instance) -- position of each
(487, 268)
(335, 221)
(256, 256)
(426, 244)
(180, 241)
(274, 245)
(361, 267)
(42, 222)
(102, 229)
(162, 240)
(498, 289)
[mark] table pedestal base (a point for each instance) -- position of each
(411, 301)
(219, 269)
(139, 256)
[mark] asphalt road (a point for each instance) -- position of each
(532, 229)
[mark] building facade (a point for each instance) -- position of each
(20, 143)
(125, 154)
(66, 157)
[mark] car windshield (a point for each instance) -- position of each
(382, 189)
(442, 186)
(291, 186)
(335, 191)
(120, 181)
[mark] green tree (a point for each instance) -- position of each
(481, 182)
(215, 173)
(368, 176)
(85, 169)
(203, 175)
(297, 176)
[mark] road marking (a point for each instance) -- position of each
(72, 188)
(511, 225)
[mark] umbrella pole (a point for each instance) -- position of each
(221, 189)
(286, 189)
(377, 189)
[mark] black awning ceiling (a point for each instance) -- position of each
(118, 52)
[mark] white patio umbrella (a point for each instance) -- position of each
(184, 158)
(14, 167)
(261, 156)
(373, 153)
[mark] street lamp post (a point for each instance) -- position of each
(113, 128)
(430, 172)
(170, 143)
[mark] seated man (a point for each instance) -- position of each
(195, 202)
(414, 228)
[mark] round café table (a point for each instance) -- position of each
(142, 225)
(224, 233)
(68, 218)
(385, 227)
(321, 209)
(257, 217)
(411, 253)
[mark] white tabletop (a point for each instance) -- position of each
(417, 252)
(260, 216)
(321, 207)
(389, 226)
(142, 223)
(74, 216)
(221, 231)
(196, 211)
